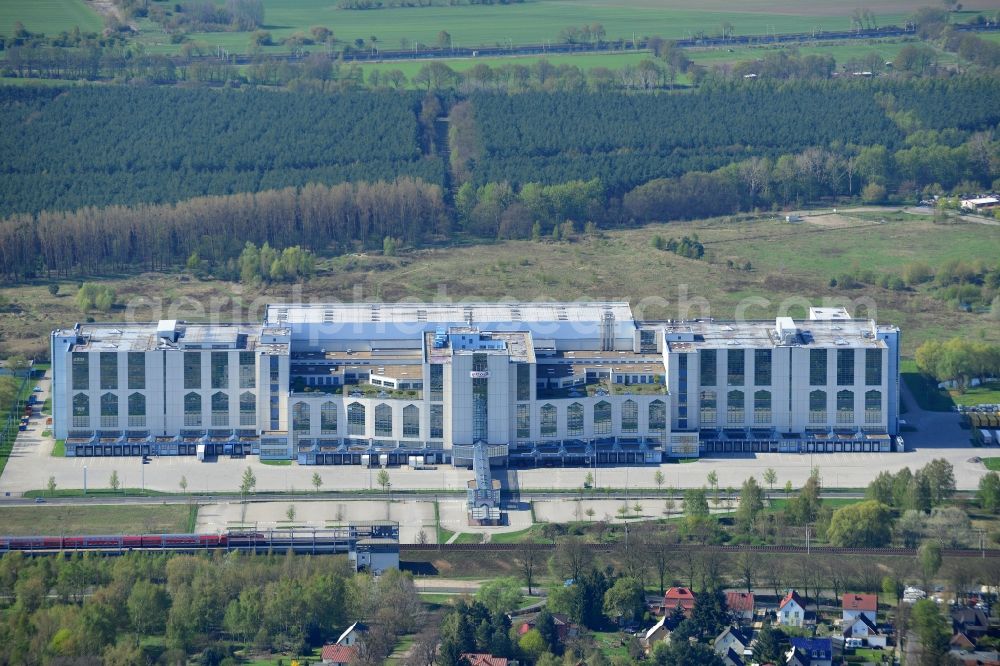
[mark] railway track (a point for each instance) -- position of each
(777, 550)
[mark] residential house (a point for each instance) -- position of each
(564, 628)
(792, 610)
(819, 650)
(733, 658)
(860, 604)
(353, 634)
(338, 655)
(681, 597)
(658, 632)
(863, 628)
(973, 622)
(733, 639)
(797, 657)
(482, 659)
(960, 641)
(976, 658)
(740, 605)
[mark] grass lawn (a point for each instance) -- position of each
(469, 537)
(835, 503)
(533, 533)
(988, 393)
(277, 463)
(609, 643)
(48, 16)
(992, 464)
(59, 449)
(437, 598)
(97, 519)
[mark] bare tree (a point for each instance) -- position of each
(424, 650)
(527, 558)
(657, 547)
(572, 557)
(775, 573)
(748, 564)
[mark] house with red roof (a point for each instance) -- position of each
(855, 605)
(678, 597)
(338, 655)
(740, 605)
(483, 659)
(792, 610)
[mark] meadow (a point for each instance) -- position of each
(48, 16)
(541, 21)
(95, 519)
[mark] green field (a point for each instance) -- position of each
(96, 519)
(988, 393)
(992, 464)
(540, 21)
(48, 16)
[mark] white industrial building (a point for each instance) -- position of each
(535, 383)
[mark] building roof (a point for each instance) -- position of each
(656, 627)
(340, 654)
(740, 637)
(826, 333)
(860, 602)
(816, 648)
(740, 602)
(482, 659)
(792, 596)
(359, 627)
(445, 313)
(732, 658)
(140, 337)
(678, 596)
(970, 619)
(863, 619)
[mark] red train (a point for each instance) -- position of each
(130, 542)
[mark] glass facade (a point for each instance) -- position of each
(248, 409)
(437, 421)
(762, 367)
(220, 410)
(300, 417)
(845, 407)
(845, 367)
(383, 420)
(657, 416)
(356, 419)
(248, 370)
(523, 421)
(81, 371)
(735, 408)
(109, 370)
(411, 421)
(437, 382)
(709, 407)
(602, 418)
(709, 368)
(574, 420)
(548, 422)
(762, 407)
(136, 370)
(817, 407)
(817, 367)
(109, 410)
(735, 374)
(192, 370)
(873, 367)
(220, 370)
(192, 410)
(523, 381)
(81, 410)
(480, 399)
(136, 410)
(328, 418)
(873, 407)
(630, 417)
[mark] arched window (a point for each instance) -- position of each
(301, 417)
(630, 416)
(383, 420)
(709, 407)
(411, 421)
(574, 420)
(845, 407)
(81, 410)
(355, 419)
(548, 422)
(735, 408)
(136, 410)
(192, 409)
(328, 418)
(762, 407)
(109, 410)
(602, 418)
(220, 409)
(873, 407)
(248, 409)
(817, 407)
(657, 416)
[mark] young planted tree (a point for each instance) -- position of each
(383, 480)
(113, 482)
(317, 481)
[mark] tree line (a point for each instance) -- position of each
(152, 237)
(124, 145)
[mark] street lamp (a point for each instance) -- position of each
(84, 479)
